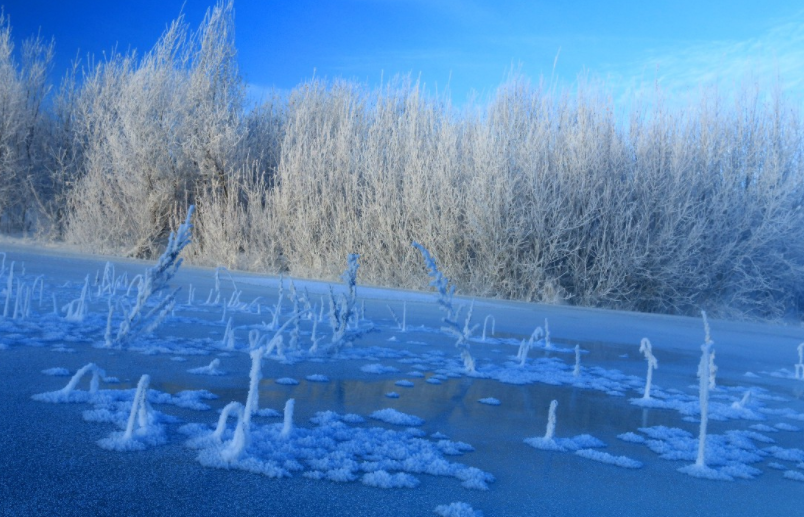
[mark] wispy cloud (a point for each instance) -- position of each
(776, 55)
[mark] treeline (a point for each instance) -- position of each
(539, 194)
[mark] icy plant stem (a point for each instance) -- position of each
(242, 435)
(287, 426)
(228, 337)
(646, 348)
(18, 300)
(577, 371)
(108, 334)
(741, 404)
(138, 411)
(485, 321)
(93, 384)
(712, 371)
(252, 400)
(9, 286)
(551, 421)
(703, 372)
(227, 410)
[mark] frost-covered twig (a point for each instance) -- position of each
(442, 285)
(342, 309)
(402, 325)
(445, 293)
(154, 282)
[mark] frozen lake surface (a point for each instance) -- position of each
(393, 425)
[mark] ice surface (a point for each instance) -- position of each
(341, 460)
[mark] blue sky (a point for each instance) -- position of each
(466, 45)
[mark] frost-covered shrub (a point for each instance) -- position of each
(154, 131)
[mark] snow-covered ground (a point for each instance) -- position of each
(394, 424)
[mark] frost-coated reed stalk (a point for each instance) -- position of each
(223, 315)
(742, 402)
(190, 295)
(342, 310)
(228, 336)
(242, 434)
(551, 421)
(647, 349)
(254, 339)
(442, 285)
(230, 408)
(287, 424)
(463, 339)
(525, 346)
(94, 383)
(122, 280)
(55, 305)
(400, 324)
(704, 373)
(712, 371)
(393, 315)
(254, 302)
(3, 265)
(485, 321)
(577, 371)
(315, 340)
(137, 280)
(139, 408)
(309, 310)
(547, 344)
(9, 287)
(800, 365)
(106, 284)
(26, 306)
(18, 300)
(107, 337)
(209, 298)
(278, 308)
(321, 311)
(40, 280)
(296, 331)
(76, 309)
(234, 300)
